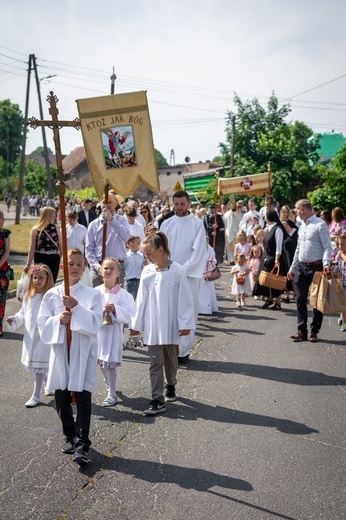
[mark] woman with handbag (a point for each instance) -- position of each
(273, 256)
(45, 243)
(4, 267)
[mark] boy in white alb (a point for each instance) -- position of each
(186, 241)
(73, 371)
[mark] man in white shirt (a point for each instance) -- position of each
(312, 254)
(247, 218)
(187, 243)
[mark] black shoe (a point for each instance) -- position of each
(155, 407)
(81, 458)
(68, 447)
(276, 307)
(267, 304)
(170, 395)
(183, 360)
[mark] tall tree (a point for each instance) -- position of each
(11, 130)
(262, 136)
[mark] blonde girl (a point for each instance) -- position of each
(242, 247)
(164, 312)
(241, 273)
(45, 242)
(254, 263)
(118, 306)
(35, 355)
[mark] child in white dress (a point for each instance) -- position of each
(242, 247)
(35, 355)
(241, 281)
(118, 306)
(254, 263)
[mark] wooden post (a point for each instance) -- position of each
(55, 125)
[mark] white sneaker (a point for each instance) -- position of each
(32, 402)
(242, 304)
(111, 400)
(343, 326)
(238, 304)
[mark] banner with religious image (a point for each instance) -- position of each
(258, 184)
(118, 142)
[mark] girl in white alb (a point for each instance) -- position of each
(35, 355)
(118, 307)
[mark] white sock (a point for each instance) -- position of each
(112, 379)
(104, 375)
(37, 386)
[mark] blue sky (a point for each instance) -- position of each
(189, 55)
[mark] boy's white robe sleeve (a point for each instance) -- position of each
(49, 326)
(87, 320)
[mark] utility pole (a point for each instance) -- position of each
(22, 157)
(113, 78)
(45, 148)
(231, 166)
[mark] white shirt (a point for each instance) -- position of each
(76, 236)
(137, 229)
(134, 264)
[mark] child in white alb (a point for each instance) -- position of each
(117, 305)
(35, 355)
(207, 303)
(241, 281)
(164, 312)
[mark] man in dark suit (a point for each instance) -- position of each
(85, 215)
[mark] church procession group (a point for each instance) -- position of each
(151, 268)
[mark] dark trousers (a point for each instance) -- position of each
(302, 283)
(132, 286)
(76, 432)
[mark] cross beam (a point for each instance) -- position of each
(55, 124)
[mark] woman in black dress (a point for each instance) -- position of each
(273, 255)
(45, 243)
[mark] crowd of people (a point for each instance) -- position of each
(144, 265)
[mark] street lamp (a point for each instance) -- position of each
(48, 77)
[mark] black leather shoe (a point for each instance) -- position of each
(183, 360)
(313, 337)
(299, 336)
(267, 304)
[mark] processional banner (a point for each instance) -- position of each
(257, 184)
(118, 142)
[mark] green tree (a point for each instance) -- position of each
(333, 180)
(11, 131)
(40, 150)
(263, 136)
(160, 160)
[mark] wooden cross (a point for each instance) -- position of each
(55, 124)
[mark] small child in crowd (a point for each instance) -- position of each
(259, 236)
(242, 247)
(340, 260)
(251, 240)
(164, 311)
(118, 306)
(134, 263)
(241, 283)
(70, 323)
(254, 263)
(35, 355)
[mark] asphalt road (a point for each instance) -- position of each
(257, 432)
